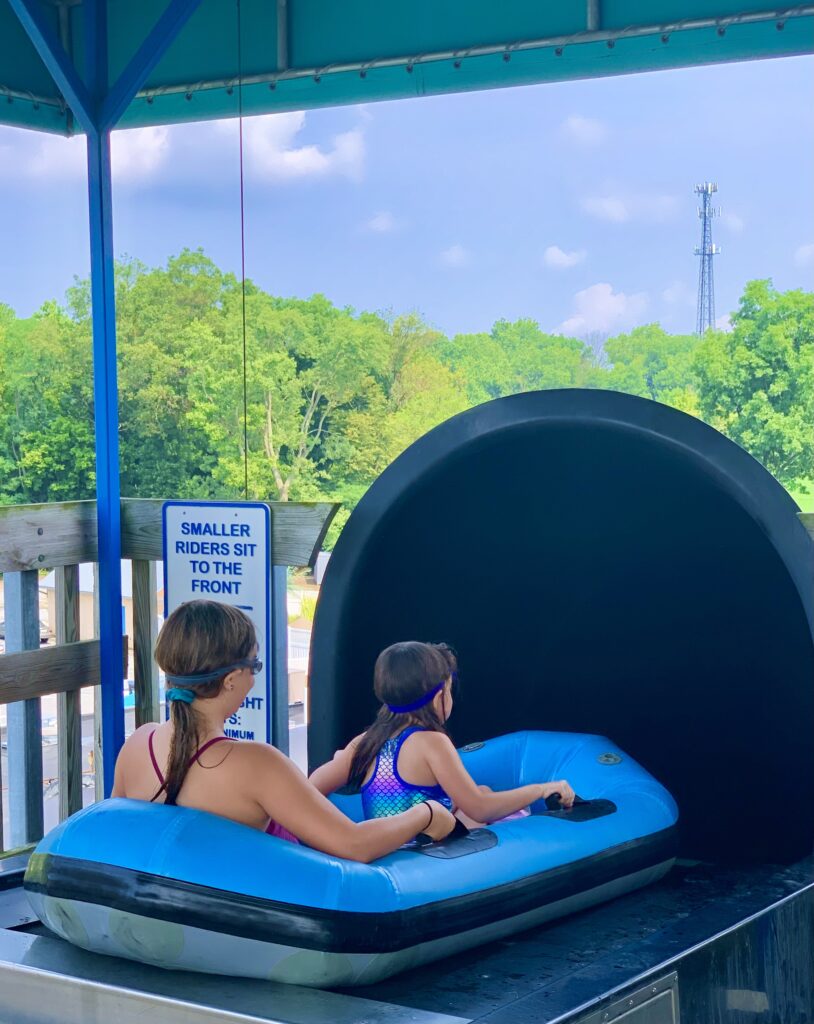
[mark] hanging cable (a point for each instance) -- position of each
(243, 255)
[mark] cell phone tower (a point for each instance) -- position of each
(705, 317)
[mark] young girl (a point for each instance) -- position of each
(406, 756)
(209, 654)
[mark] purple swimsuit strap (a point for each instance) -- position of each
(192, 760)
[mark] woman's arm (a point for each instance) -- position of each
(334, 774)
(445, 763)
(118, 776)
(289, 798)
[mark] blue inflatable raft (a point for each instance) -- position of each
(182, 889)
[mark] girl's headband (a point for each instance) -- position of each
(197, 678)
(400, 709)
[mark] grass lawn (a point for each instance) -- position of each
(805, 501)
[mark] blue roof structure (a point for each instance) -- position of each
(299, 54)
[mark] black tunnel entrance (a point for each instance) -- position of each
(602, 564)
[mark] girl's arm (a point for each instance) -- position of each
(289, 798)
(445, 763)
(335, 773)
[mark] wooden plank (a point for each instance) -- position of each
(96, 751)
(145, 627)
(23, 716)
(298, 530)
(69, 709)
(807, 519)
(279, 657)
(46, 536)
(31, 674)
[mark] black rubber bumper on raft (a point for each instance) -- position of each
(603, 564)
(334, 931)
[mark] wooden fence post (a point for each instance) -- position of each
(98, 774)
(145, 622)
(279, 657)
(69, 705)
(24, 718)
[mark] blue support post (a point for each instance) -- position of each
(106, 411)
(105, 398)
(24, 721)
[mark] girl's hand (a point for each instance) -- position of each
(443, 822)
(562, 787)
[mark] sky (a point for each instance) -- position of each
(570, 203)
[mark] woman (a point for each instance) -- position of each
(208, 652)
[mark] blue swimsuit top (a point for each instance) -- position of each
(386, 792)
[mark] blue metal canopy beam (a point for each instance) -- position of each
(145, 60)
(53, 55)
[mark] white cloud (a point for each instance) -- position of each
(804, 254)
(381, 223)
(611, 208)
(55, 157)
(554, 256)
(723, 323)
(272, 152)
(677, 292)
(585, 130)
(138, 153)
(733, 222)
(600, 308)
(456, 256)
(621, 208)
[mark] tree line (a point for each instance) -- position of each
(332, 395)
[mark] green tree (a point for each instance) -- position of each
(756, 383)
(651, 363)
(46, 403)
(517, 356)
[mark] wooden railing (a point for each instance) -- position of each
(62, 537)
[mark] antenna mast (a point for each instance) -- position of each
(705, 317)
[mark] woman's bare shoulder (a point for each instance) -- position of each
(140, 736)
(251, 752)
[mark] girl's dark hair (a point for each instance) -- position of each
(200, 636)
(403, 673)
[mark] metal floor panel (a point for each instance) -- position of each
(44, 980)
(542, 976)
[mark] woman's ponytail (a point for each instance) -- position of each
(198, 638)
(183, 746)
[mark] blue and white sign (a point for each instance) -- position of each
(221, 551)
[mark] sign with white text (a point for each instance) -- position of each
(221, 551)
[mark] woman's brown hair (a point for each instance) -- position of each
(197, 638)
(403, 674)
